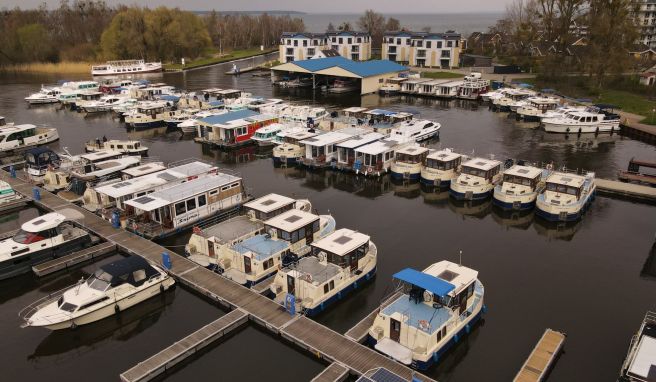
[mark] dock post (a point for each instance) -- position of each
(12, 171)
(36, 193)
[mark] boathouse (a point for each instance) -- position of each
(368, 75)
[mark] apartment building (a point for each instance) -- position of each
(423, 48)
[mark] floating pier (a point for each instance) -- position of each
(627, 190)
(333, 373)
(358, 333)
(542, 357)
(73, 259)
(176, 353)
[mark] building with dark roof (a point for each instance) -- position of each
(424, 49)
(295, 46)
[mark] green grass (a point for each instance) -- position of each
(234, 55)
(441, 75)
(631, 103)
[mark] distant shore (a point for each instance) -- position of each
(64, 67)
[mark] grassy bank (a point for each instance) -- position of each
(48, 67)
(216, 59)
(441, 75)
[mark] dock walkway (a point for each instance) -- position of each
(174, 354)
(306, 333)
(358, 333)
(333, 373)
(616, 188)
(542, 357)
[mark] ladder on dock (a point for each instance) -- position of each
(542, 357)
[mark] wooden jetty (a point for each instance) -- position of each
(542, 357)
(307, 334)
(75, 258)
(263, 286)
(176, 353)
(333, 373)
(358, 333)
(629, 190)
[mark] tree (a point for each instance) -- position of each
(392, 24)
(345, 27)
(331, 27)
(426, 29)
(34, 43)
(372, 23)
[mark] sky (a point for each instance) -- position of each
(309, 6)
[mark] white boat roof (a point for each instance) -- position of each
(326, 139)
(458, 275)
(645, 358)
(361, 140)
(43, 222)
(181, 192)
(228, 91)
(144, 169)
(524, 171)
(342, 241)
(301, 135)
(7, 129)
(436, 82)
(145, 182)
(566, 179)
(482, 163)
(378, 147)
(269, 203)
(412, 150)
(444, 155)
(417, 80)
(291, 220)
(100, 155)
(451, 84)
(271, 127)
(355, 109)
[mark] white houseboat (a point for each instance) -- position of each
(376, 158)
(440, 168)
(151, 114)
(391, 86)
(566, 196)
(339, 263)
(412, 85)
(111, 68)
(18, 137)
(416, 130)
(346, 150)
(291, 151)
(448, 89)
(536, 108)
(113, 288)
(436, 309)
(408, 162)
(320, 150)
(640, 361)
(591, 120)
(519, 187)
(473, 87)
(265, 136)
(128, 147)
(477, 179)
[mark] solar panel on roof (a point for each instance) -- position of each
(342, 239)
(523, 171)
(144, 168)
(144, 200)
(442, 155)
(447, 275)
(293, 219)
(268, 202)
(122, 184)
(37, 222)
(412, 149)
(481, 163)
(384, 375)
(166, 176)
(311, 140)
(566, 179)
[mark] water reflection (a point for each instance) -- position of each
(513, 219)
(556, 230)
(238, 155)
(649, 269)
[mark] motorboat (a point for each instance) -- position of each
(434, 310)
(151, 114)
(339, 263)
(16, 137)
(519, 188)
(566, 196)
(391, 86)
(342, 86)
(41, 239)
(591, 120)
(128, 147)
(536, 108)
(261, 104)
(8, 195)
(477, 179)
(639, 363)
(417, 130)
(408, 162)
(44, 96)
(125, 67)
(113, 288)
(265, 135)
(106, 103)
(38, 160)
(441, 168)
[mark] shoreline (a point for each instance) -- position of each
(218, 62)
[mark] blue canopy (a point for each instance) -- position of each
(381, 111)
(432, 284)
(169, 97)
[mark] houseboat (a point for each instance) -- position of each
(265, 136)
(151, 114)
(141, 170)
(430, 88)
(84, 177)
(415, 130)
(591, 120)
(448, 89)
(640, 361)
(44, 96)
(436, 308)
(111, 68)
(113, 288)
(519, 187)
(376, 158)
(127, 147)
(292, 151)
(85, 98)
(17, 137)
(38, 160)
(440, 168)
(346, 156)
(566, 197)
(180, 207)
(40, 239)
(321, 152)
(391, 86)
(232, 129)
(339, 263)
(253, 259)
(536, 108)
(408, 162)
(473, 87)
(477, 179)
(412, 85)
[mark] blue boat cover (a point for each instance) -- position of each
(381, 111)
(432, 284)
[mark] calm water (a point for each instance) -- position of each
(584, 279)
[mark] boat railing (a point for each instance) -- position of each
(27, 312)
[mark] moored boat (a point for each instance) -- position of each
(18, 137)
(440, 168)
(125, 67)
(44, 96)
(264, 136)
(638, 366)
(519, 187)
(591, 120)
(291, 151)
(566, 196)
(477, 179)
(408, 162)
(127, 147)
(416, 130)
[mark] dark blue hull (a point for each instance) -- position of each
(565, 218)
(147, 125)
(287, 161)
(512, 206)
(401, 176)
(339, 295)
(430, 183)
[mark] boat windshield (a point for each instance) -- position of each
(24, 237)
(67, 306)
(100, 280)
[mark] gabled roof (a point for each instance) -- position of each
(361, 69)
(347, 33)
(302, 35)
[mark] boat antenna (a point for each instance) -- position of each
(460, 257)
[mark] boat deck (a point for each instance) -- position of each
(542, 357)
(65, 262)
(358, 333)
(333, 373)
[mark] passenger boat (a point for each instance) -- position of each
(40, 239)
(417, 130)
(264, 136)
(320, 150)
(174, 209)
(111, 68)
(591, 120)
(638, 366)
(125, 147)
(291, 151)
(476, 180)
(566, 196)
(408, 162)
(536, 108)
(346, 150)
(436, 308)
(339, 263)
(519, 187)
(113, 288)
(376, 158)
(441, 167)
(44, 96)
(18, 137)
(342, 86)
(391, 86)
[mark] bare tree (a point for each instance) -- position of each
(373, 23)
(392, 24)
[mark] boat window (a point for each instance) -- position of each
(180, 208)
(191, 204)
(24, 237)
(100, 280)
(139, 275)
(90, 304)
(315, 226)
(294, 236)
(285, 235)
(68, 307)
(202, 201)
(473, 171)
(572, 190)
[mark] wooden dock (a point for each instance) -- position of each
(358, 333)
(304, 332)
(263, 287)
(542, 357)
(333, 373)
(73, 259)
(627, 190)
(176, 353)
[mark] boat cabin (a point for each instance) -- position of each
(253, 259)
(413, 85)
(412, 154)
(269, 206)
(346, 150)
(564, 183)
(430, 87)
(39, 159)
(482, 168)
(228, 94)
(320, 150)
(443, 160)
(295, 226)
(545, 104)
(144, 169)
(240, 131)
(376, 157)
(448, 89)
(83, 86)
(354, 112)
(343, 248)
(523, 176)
(100, 156)
(90, 96)
(297, 137)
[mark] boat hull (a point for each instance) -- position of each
(365, 277)
(565, 216)
(469, 195)
(435, 182)
(405, 176)
(513, 206)
(575, 129)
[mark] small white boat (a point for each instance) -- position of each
(408, 162)
(441, 167)
(16, 137)
(106, 103)
(519, 187)
(476, 180)
(536, 108)
(391, 86)
(638, 366)
(416, 130)
(125, 67)
(44, 96)
(591, 120)
(566, 197)
(113, 288)
(8, 196)
(265, 135)
(122, 146)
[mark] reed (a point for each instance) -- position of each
(48, 67)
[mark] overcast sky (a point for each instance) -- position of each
(310, 6)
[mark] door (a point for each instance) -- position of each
(210, 248)
(309, 235)
(247, 265)
(291, 285)
(353, 259)
(395, 330)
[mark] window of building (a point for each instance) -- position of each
(304, 42)
(341, 40)
(420, 43)
(334, 39)
(295, 42)
(359, 39)
(290, 51)
(398, 41)
(449, 44)
(428, 44)
(438, 44)
(355, 56)
(310, 51)
(349, 41)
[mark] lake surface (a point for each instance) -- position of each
(585, 279)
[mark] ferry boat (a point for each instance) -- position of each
(17, 137)
(477, 179)
(174, 209)
(127, 147)
(417, 130)
(40, 239)
(391, 86)
(638, 366)
(265, 135)
(591, 120)
(408, 162)
(320, 151)
(111, 68)
(376, 158)
(291, 151)
(113, 288)
(473, 87)
(519, 187)
(38, 160)
(566, 196)
(440, 168)
(339, 263)
(44, 96)
(436, 309)
(536, 108)
(346, 150)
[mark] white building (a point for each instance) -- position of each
(355, 46)
(646, 19)
(297, 46)
(423, 49)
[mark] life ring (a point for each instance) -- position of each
(424, 325)
(197, 231)
(117, 309)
